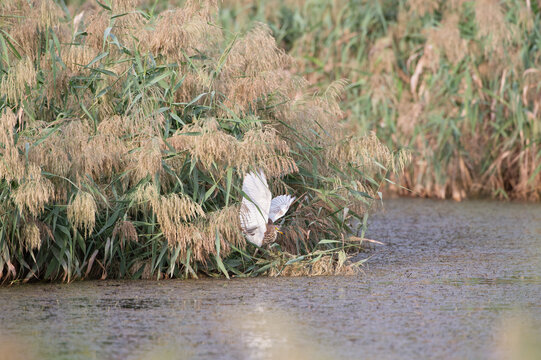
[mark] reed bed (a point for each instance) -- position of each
(125, 133)
(456, 82)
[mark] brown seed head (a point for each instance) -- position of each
(82, 212)
(30, 236)
(22, 76)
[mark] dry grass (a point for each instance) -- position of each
(125, 136)
(455, 82)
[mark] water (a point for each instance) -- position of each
(454, 281)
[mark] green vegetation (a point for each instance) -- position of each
(456, 82)
(125, 133)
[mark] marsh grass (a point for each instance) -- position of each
(456, 82)
(125, 133)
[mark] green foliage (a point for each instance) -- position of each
(454, 81)
(125, 134)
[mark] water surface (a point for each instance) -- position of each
(454, 281)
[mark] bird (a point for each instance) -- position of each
(259, 211)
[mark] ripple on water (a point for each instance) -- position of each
(454, 281)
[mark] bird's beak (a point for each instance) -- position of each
(280, 232)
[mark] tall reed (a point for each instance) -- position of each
(457, 82)
(125, 133)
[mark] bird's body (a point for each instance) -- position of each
(259, 211)
(271, 233)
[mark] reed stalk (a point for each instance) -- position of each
(125, 133)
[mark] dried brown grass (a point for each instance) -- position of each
(213, 148)
(325, 265)
(22, 77)
(81, 212)
(96, 131)
(184, 31)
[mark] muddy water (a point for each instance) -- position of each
(453, 281)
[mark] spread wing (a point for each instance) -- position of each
(254, 211)
(279, 206)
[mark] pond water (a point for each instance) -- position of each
(453, 281)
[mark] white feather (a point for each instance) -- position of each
(77, 19)
(254, 212)
(279, 206)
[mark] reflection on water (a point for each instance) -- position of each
(454, 281)
(270, 333)
(13, 348)
(517, 338)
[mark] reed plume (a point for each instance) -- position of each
(81, 212)
(125, 135)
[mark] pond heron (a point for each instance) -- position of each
(259, 211)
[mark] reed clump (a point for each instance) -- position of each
(456, 82)
(125, 134)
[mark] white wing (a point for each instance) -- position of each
(77, 19)
(254, 211)
(279, 206)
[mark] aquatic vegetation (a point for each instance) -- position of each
(457, 82)
(125, 133)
